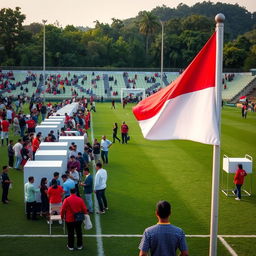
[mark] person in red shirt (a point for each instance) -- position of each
(124, 132)
(73, 204)
(5, 131)
(31, 125)
(67, 118)
(239, 181)
(35, 144)
(55, 193)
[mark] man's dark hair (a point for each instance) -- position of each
(163, 209)
(73, 190)
(86, 169)
(4, 167)
(99, 165)
(30, 178)
(64, 176)
(240, 166)
(56, 174)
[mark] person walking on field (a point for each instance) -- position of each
(5, 131)
(239, 181)
(163, 239)
(105, 145)
(124, 132)
(113, 104)
(115, 128)
(100, 185)
(11, 154)
(5, 184)
(17, 151)
(71, 205)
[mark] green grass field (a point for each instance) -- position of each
(140, 174)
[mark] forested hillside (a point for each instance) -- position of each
(135, 42)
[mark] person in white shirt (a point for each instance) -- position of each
(105, 145)
(17, 152)
(100, 184)
(9, 115)
(74, 175)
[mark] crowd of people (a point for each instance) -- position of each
(78, 176)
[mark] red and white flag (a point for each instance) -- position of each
(186, 109)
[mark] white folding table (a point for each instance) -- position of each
(230, 165)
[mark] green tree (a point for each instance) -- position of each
(148, 25)
(11, 30)
(233, 57)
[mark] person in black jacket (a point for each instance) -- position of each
(22, 122)
(43, 111)
(115, 128)
(5, 184)
(10, 154)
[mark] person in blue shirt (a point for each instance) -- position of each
(67, 185)
(163, 239)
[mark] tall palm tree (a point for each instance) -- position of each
(148, 24)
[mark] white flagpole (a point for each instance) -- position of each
(216, 150)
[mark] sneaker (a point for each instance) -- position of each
(237, 198)
(106, 208)
(101, 212)
(80, 248)
(60, 222)
(70, 248)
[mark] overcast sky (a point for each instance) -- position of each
(84, 12)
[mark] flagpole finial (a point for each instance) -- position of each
(219, 18)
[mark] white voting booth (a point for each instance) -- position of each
(59, 124)
(58, 117)
(51, 155)
(45, 129)
(53, 146)
(40, 169)
(230, 165)
(78, 140)
(70, 133)
(69, 109)
(48, 120)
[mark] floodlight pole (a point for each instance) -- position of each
(162, 52)
(216, 149)
(44, 21)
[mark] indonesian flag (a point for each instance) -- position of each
(242, 99)
(185, 109)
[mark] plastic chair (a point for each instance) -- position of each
(55, 217)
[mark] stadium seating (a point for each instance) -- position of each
(98, 90)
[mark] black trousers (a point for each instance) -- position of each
(101, 198)
(124, 138)
(5, 187)
(31, 208)
(73, 227)
(11, 161)
(115, 137)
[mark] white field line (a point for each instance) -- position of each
(122, 236)
(96, 216)
(228, 247)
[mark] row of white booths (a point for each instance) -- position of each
(52, 156)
